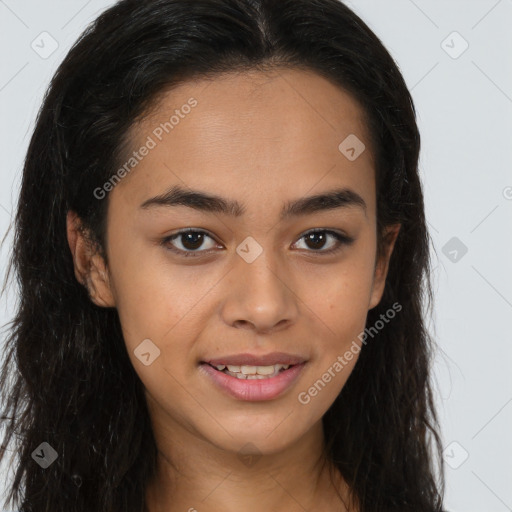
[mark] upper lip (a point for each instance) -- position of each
(255, 360)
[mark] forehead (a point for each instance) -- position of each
(260, 133)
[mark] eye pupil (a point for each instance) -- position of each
(195, 238)
(315, 236)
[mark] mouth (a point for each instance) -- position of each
(253, 382)
(248, 372)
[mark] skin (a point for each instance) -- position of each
(262, 139)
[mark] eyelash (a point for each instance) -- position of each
(342, 239)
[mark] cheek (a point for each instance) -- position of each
(152, 296)
(342, 312)
(157, 306)
(341, 297)
(340, 307)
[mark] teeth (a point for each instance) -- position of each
(252, 372)
(267, 370)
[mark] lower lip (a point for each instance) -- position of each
(254, 389)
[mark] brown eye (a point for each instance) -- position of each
(316, 240)
(191, 240)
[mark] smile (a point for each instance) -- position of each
(253, 383)
(252, 372)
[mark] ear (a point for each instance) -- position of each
(382, 265)
(90, 268)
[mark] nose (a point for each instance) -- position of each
(260, 296)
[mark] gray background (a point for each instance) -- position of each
(464, 102)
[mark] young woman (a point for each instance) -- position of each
(223, 264)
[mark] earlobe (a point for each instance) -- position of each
(382, 266)
(100, 287)
(89, 266)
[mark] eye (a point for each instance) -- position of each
(318, 237)
(191, 241)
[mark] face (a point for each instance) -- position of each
(268, 267)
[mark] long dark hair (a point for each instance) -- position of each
(67, 379)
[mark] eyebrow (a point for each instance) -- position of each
(201, 201)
